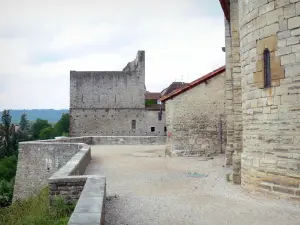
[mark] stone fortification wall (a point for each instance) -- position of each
(37, 162)
(109, 89)
(62, 172)
(112, 103)
(271, 125)
(194, 119)
(116, 122)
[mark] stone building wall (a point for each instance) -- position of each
(271, 116)
(233, 90)
(193, 119)
(112, 103)
(117, 122)
(109, 89)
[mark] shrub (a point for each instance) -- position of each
(6, 193)
(36, 211)
(8, 167)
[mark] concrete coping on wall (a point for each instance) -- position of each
(115, 140)
(90, 206)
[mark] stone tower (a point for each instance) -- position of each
(112, 103)
(262, 91)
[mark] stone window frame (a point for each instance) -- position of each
(267, 68)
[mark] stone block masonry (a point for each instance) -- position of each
(233, 86)
(66, 178)
(196, 120)
(37, 161)
(270, 160)
(87, 192)
(112, 103)
(116, 122)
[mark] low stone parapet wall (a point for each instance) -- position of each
(129, 140)
(88, 191)
(90, 207)
(37, 161)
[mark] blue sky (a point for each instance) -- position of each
(41, 41)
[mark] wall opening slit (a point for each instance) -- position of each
(267, 68)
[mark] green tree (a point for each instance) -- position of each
(63, 125)
(7, 132)
(46, 133)
(37, 127)
(24, 123)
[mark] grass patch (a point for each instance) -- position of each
(36, 211)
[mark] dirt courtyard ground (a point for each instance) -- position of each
(145, 187)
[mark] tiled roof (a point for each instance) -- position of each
(173, 87)
(193, 84)
(152, 95)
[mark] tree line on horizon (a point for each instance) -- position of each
(52, 115)
(10, 136)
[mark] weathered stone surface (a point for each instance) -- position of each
(107, 103)
(37, 161)
(196, 120)
(270, 117)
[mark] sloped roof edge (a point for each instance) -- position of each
(193, 84)
(225, 7)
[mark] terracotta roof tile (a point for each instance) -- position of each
(193, 84)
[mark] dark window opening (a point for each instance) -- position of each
(159, 115)
(133, 124)
(152, 129)
(267, 68)
(165, 129)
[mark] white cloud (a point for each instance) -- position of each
(41, 41)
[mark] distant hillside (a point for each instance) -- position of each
(51, 115)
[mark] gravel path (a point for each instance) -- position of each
(145, 187)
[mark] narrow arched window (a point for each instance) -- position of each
(267, 68)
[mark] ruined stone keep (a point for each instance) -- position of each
(262, 94)
(195, 116)
(112, 103)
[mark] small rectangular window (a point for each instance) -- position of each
(133, 124)
(152, 129)
(165, 129)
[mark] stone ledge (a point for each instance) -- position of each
(89, 191)
(90, 207)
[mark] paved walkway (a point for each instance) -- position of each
(145, 187)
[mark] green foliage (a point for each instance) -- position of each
(8, 139)
(8, 167)
(41, 129)
(63, 125)
(46, 133)
(37, 127)
(36, 211)
(150, 102)
(22, 135)
(24, 123)
(6, 193)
